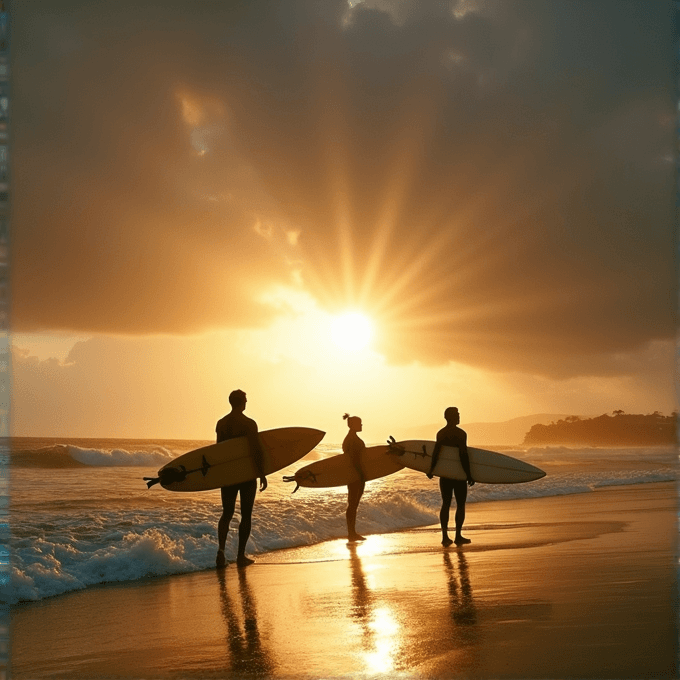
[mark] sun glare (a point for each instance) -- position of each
(351, 331)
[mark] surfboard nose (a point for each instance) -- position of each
(318, 434)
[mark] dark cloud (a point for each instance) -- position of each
(492, 180)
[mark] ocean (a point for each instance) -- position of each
(81, 514)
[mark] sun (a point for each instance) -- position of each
(352, 331)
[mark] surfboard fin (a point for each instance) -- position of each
(206, 466)
(308, 474)
(292, 479)
(394, 449)
(170, 475)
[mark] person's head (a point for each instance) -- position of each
(353, 422)
(451, 415)
(238, 400)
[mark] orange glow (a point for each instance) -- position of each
(192, 111)
(198, 109)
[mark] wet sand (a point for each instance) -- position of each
(579, 586)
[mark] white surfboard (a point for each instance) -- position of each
(487, 467)
(339, 471)
(231, 462)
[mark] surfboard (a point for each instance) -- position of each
(339, 471)
(230, 462)
(487, 467)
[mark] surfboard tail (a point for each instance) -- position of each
(169, 475)
(292, 479)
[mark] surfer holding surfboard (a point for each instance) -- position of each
(237, 424)
(452, 435)
(353, 446)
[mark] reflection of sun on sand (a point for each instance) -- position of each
(379, 628)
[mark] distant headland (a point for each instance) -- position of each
(617, 429)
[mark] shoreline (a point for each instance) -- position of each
(271, 556)
(583, 585)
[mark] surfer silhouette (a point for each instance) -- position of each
(237, 424)
(452, 435)
(353, 446)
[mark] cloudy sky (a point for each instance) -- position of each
(202, 189)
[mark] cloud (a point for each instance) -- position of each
(490, 180)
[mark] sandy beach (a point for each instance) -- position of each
(579, 586)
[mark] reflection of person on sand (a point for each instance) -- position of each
(462, 604)
(464, 635)
(361, 594)
(248, 656)
(353, 446)
(236, 424)
(452, 435)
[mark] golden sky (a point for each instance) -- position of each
(202, 190)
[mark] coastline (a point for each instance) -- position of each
(581, 586)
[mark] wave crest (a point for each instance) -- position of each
(69, 456)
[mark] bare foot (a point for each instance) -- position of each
(356, 537)
(446, 542)
(461, 540)
(220, 561)
(244, 561)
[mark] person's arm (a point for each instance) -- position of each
(354, 449)
(435, 457)
(465, 459)
(258, 454)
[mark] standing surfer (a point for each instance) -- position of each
(353, 447)
(452, 435)
(237, 424)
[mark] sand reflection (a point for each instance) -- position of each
(380, 627)
(463, 611)
(248, 656)
(465, 636)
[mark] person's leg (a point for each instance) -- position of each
(446, 489)
(228, 505)
(247, 491)
(354, 493)
(460, 492)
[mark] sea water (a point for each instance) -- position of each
(81, 514)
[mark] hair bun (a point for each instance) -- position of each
(346, 416)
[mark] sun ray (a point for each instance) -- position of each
(330, 101)
(415, 122)
(396, 299)
(402, 282)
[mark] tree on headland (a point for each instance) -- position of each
(619, 429)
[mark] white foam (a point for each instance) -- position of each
(120, 457)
